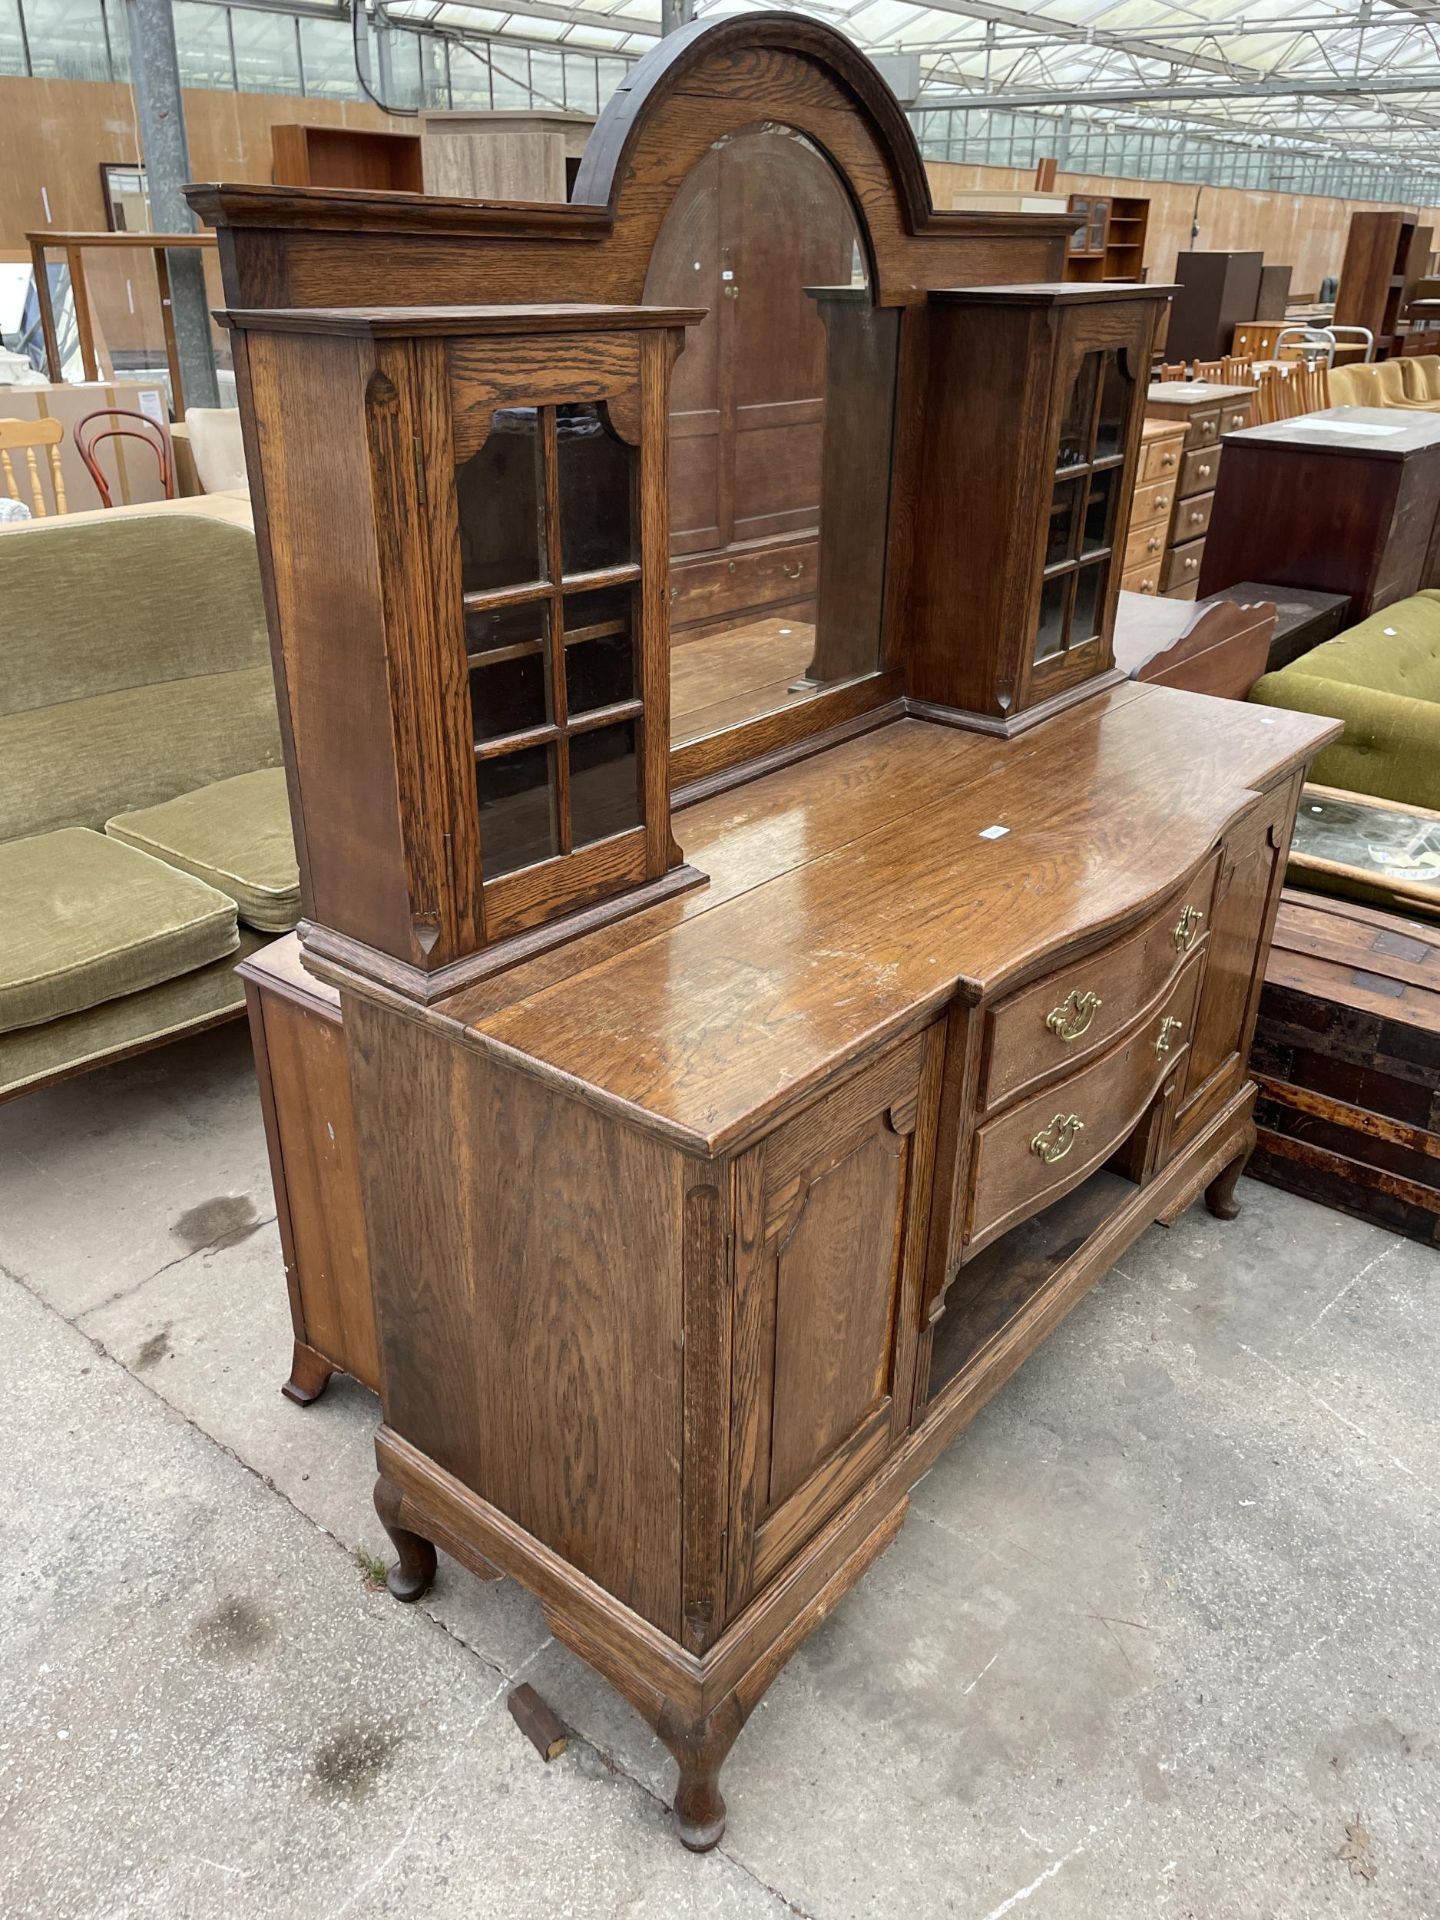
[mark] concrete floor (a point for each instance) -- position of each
(1158, 1639)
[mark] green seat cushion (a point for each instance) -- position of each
(235, 835)
(1394, 651)
(87, 919)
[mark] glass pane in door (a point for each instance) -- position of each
(1050, 637)
(1078, 417)
(594, 478)
(516, 792)
(500, 495)
(1115, 392)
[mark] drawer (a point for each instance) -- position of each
(1144, 546)
(1144, 579)
(1044, 1146)
(1159, 460)
(1204, 429)
(1235, 416)
(1192, 518)
(746, 577)
(1047, 1027)
(1182, 564)
(1198, 471)
(1152, 504)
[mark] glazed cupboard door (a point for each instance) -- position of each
(831, 1213)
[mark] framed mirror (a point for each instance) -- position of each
(781, 428)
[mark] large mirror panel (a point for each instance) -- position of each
(782, 417)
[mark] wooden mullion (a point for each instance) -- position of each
(504, 743)
(559, 706)
(525, 594)
(605, 716)
(496, 656)
(619, 576)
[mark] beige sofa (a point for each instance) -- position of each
(1412, 383)
(145, 840)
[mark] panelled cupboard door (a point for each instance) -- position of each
(1247, 892)
(831, 1213)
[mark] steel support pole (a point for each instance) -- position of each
(165, 155)
(675, 14)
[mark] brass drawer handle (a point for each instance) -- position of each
(1073, 1018)
(1058, 1138)
(1168, 1026)
(1186, 928)
(793, 573)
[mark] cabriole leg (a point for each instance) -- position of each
(412, 1577)
(309, 1375)
(700, 1750)
(1220, 1194)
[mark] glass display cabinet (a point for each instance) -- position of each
(492, 482)
(1030, 470)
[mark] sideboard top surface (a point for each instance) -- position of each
(850, 896)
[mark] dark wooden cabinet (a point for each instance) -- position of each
(1216, 292)
(1346, 502)
(706, 1201)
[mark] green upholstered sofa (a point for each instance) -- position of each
(145, 839)
(1382, 679)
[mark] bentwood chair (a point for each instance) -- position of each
(133, 426)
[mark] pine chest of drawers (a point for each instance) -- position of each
(1206, 412)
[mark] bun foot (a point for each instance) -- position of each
(309, 1375)
(415, 1572)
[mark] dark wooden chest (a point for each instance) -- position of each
(1347, 1059)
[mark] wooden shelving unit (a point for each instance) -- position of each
(1375, 273)
(1111, 244)
(312, 156)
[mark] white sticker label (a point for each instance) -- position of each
(150, 404)
(993, 833)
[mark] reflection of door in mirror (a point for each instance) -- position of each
(762, 234)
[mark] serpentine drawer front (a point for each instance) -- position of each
(1052, 1025)
(1047, 1144)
